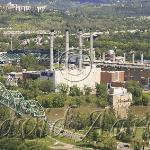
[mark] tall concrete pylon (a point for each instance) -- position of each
(133, 58)
(51, 50)
(142, 58)
(92, 51)
(80, 49)
(67, 48)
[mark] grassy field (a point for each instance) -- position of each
(56, 113)
(45, 141)
(140, 111)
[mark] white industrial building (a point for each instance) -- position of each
(81, 75)
(86, 78)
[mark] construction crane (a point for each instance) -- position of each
(15, 101)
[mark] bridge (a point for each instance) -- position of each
(16, 102)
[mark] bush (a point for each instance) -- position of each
(145, 99)
(45, 85)
(18, 144)
(4, 113)
(75, 91)
(2, 80)
(136, 89)
(73, 101)
(9, 143)
(29, 62)
(87, 90)
(8, 69)
(52, 100)
(101, 102)
(101, 91)
(58, 101)
(63, 88)
(137, 146)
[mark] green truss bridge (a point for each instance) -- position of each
(15, 101)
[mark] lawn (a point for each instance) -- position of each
(140, 111)
(56, 113)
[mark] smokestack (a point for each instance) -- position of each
(124, 55)
(133, 57)
(103, 56)
(80, 47)
(142, 58)
(51, 49)
(92, 51)
(67, 48)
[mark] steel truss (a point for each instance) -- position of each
(15, 101)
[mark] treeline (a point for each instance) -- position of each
(137, 42)
(99, 18)
(18, 144)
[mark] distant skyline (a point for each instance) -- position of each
(81, 1)
(93, 1)
(38, 1)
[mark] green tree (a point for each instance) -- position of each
(8, 69)
(101, 102)
(2, 80)
(102, 95)
(101, 90)
(135, 88)
(75, 121)
(94, 135)
(63, 88)
(4, 113)
(52, 100)
(87, 90)
(108, 120)
(145, 98)
(137, 146)
(18, 144)
(73, 101)
(58, 101)
(29, 62)
(45, 85)
(75, 91)
(46, 100)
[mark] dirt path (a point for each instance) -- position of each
(63, 146)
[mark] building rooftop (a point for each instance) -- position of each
(112, 71)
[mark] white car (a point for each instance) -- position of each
(123, 146)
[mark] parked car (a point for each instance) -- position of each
(123, 146)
